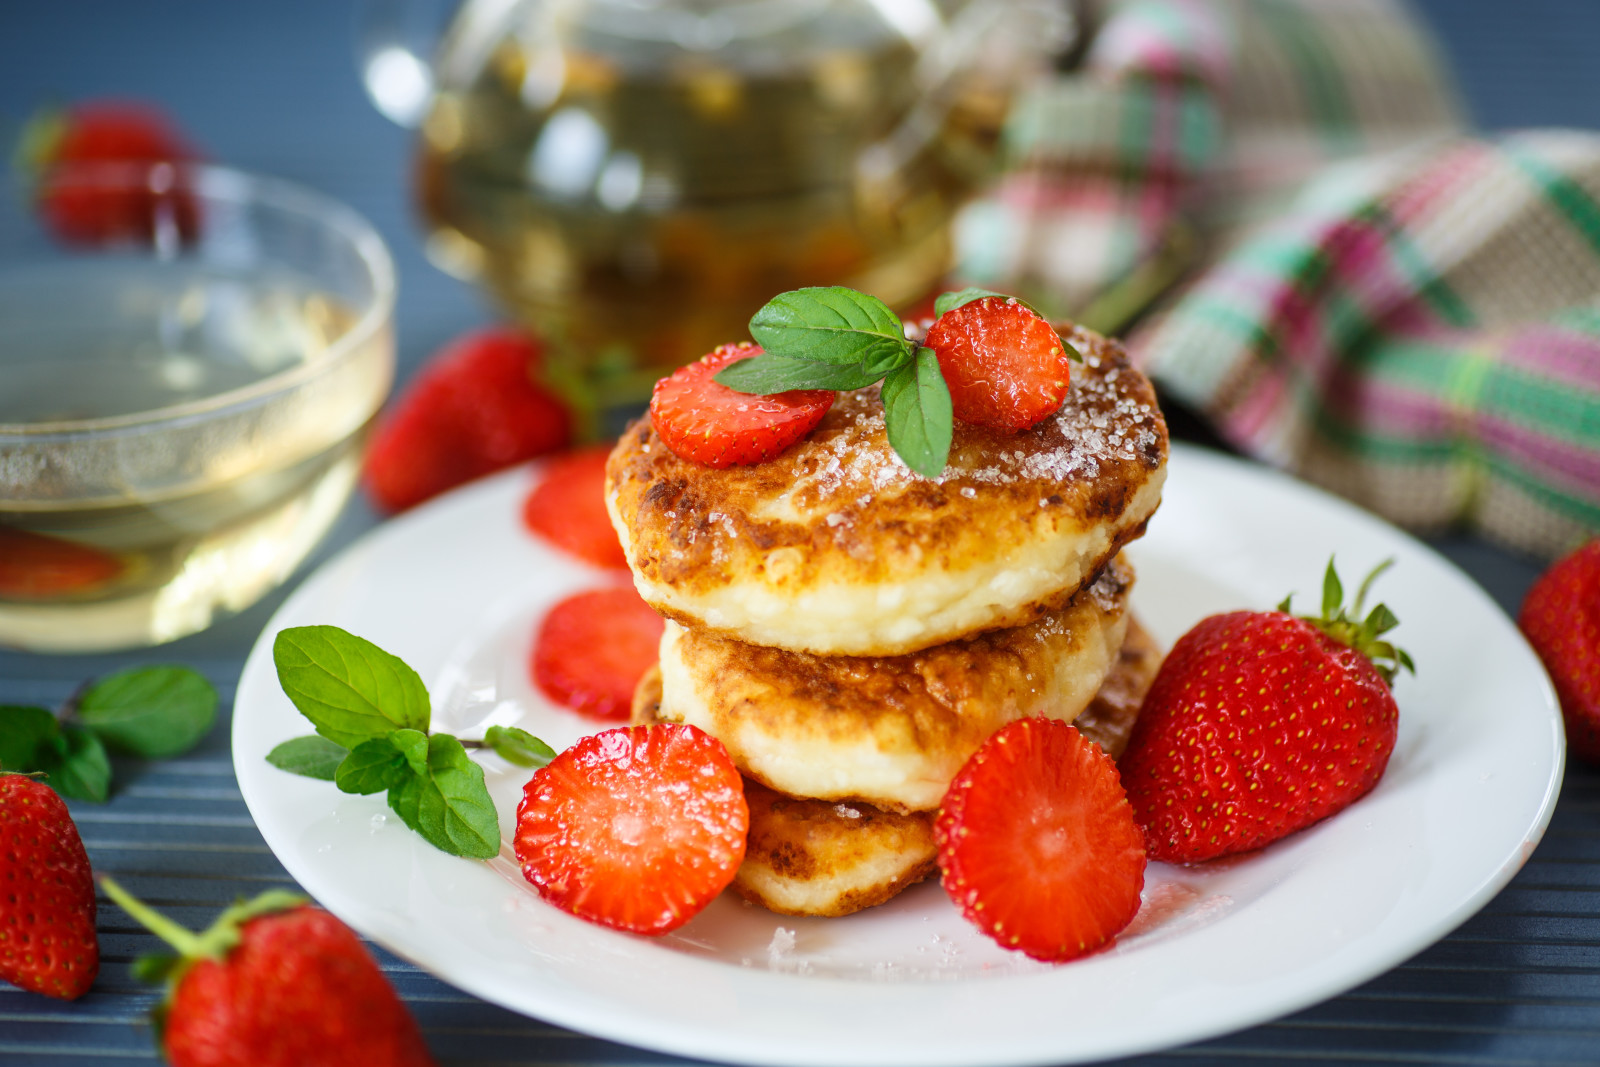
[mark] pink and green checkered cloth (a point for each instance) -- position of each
(1282, 199)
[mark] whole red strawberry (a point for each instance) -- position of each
(1006, 367)
(1561, 619)
(47, 905)
(1259, 724)
(705, 421)
(274, 983)
(1037, 844)
(636, 828)
(475, 408)
(111, 170)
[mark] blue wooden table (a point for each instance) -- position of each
(272, 88)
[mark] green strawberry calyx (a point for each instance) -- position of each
(1350, 628)
(214, 943)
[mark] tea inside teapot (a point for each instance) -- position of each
(635, 178)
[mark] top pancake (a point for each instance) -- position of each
(836, 547)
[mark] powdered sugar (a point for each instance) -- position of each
(1104, 421)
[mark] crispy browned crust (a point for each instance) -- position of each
(647, 698)
(1107, 721)
(1109, 718)
(839, 510)
(845, 857)
(926, 711)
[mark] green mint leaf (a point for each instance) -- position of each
(449, 806)
(886, 359)
(951, 301)
(1072, 353)
(828, 324)
(25, 736)
(413, 746)
(310, 756)
(373, 766)
(916, 408)
(154, 712)
(768, 374)
(518, 746)
(349, 688)
(75, 765)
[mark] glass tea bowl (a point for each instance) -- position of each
(190, 360)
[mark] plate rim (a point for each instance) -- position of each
(593, 1019)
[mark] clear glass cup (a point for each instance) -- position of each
(633, 179)
(190, 361)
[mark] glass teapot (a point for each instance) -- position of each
(633, 179)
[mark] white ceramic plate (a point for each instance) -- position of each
(456, 587)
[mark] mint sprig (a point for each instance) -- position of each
(150, 712)
(371, 713)
(831, 337)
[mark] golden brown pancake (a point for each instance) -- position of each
(822, 857)
(835, 547)
(815, 857)
(1108, 720)
(890, 731)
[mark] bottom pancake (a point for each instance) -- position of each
(823, 857)
(1108, 720)
(819, 857)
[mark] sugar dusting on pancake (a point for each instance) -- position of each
(837, 548)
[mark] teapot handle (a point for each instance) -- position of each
(394, 42)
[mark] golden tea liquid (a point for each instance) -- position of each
(116, 529)
(637, 201)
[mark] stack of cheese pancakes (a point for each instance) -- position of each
(853, 631)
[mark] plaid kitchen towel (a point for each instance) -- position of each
(1420, 333)
(1366, 295)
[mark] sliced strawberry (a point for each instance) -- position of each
(1561, 619)
(35, 565)
(636, 828)
(1006, 367)
(568, 508)
(707, 422)
(1037, 843)
(84, 206)
(592, 649)
(475, 408)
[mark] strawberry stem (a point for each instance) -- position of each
(180, 938)
(223, 934)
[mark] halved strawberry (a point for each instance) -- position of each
(592, 649)
(1037, 843)
(88, 206)
(33, 566)
(707, 422)
(636, 828)
(568, 508)
(1007, 368)
(473, 409)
